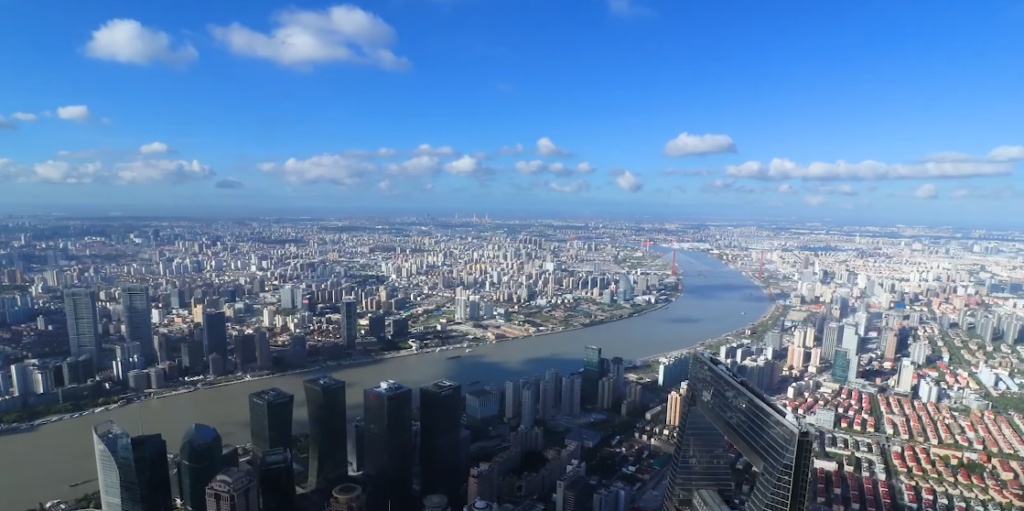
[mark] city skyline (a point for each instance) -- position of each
(606, 107)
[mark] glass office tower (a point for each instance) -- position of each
(720, 406)
(328, 431)
(443, 469)
(132, 472)
(270, 419)
(215, 334)
(201, 451)
(276, 479)
(138, 318)
(389, 445)
(83, 324)
(593, 371)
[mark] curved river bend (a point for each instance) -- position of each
(39, 465)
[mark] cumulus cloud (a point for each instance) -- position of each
(687, 172)
(545, 147)
(383, 152)
(463, 166)
(326, 168)
(154, 148)
(960, 193)
(127, 41)
(585, 168)
(301, 38)
(629, 182)
(428, 150)
(418, 166)
(729, 185)
(576, 186)
(785, 188)
(22, 116)
(229, 183)
(843, 189)
(814, 200)
(687, 144)
(153, 171)
(511, 150)
(54, 171)
(558, 169)
(386, 186)
(998, 162)
(73, 113)
(530, 167)
(926, 191)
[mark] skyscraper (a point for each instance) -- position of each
(832, 339)
(512, 399)
(349, 321)
(389, 445)
(841, 367)
(138, 325)
(625, 287)
(201, 451)
(133, 473)
(593, 371)
(571, 391)
(890, 340)
(233, 489)
(270, 419)
(443, 468)
(276, 479)
(215, 334)
(80, 309)
(328, 431)
(719, 405)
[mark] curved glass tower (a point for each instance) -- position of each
(201, 449)
(132, 472)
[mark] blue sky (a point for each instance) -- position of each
(587, 107)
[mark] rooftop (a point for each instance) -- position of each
(271, 394)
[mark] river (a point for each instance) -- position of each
(38, 465)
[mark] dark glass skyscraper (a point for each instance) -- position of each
(389, 445)
(349, 321)
(270, 419)
(138, 325)
(215, 334)
(720, 407)
(442, 468)
(328, 431)
(83, 333)
(276, 479)
(593, 371)
(201, 451)
(133, 473)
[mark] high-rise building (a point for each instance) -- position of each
(21, 380)
(234, 489)
(673, 370)
(276, 479)
(720, 405)
(83, 333)
(528, 414)
(264, 359)
(593, 371)
(841, 366)
(905, 376)
(482, 407)
(625, 287)
(606, 393)
(347, 497)
(215, 334)
(270, 419)
(572, 388)
(349, 322)
(919, 352)
(201, 451)
(328, 431)
(132, 472)
(674, 412)
(389, 445)
(443, 470)
(512, 399)
(890, 338)
(832, 339)
(138, 317)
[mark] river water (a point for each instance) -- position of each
(39, 465)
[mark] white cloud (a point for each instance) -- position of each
(843, 189)
(73, 113)
(785, 188)
(385, 186)
(626, 8)
(576, 186)
(463, 166)
(1006, 153)
(129, 42)
(54, 171)
(22, 116)
(866, 170)
(585, 168)
(418, 166)
(326, 168)
(153, 171)
(960, 193)
(383, 152)
(428, 150)
(629, 182)
(694, 145)
(154, 148)
(342, 33)
(545, 147)
(814, 200)
(926, 191)
(511, 150)
(530, 167)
